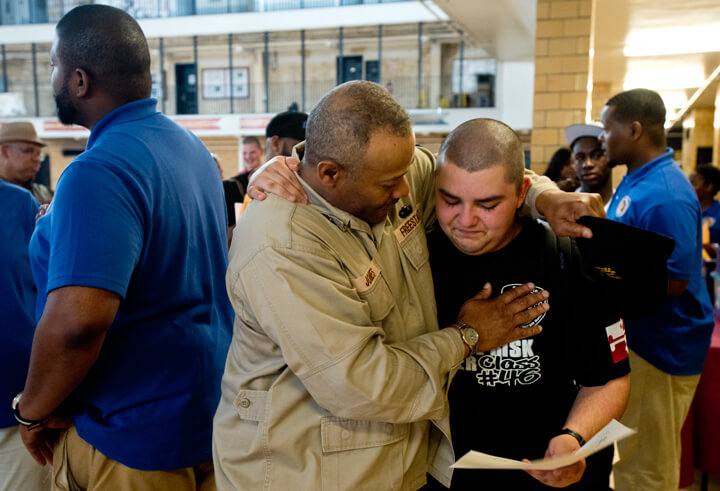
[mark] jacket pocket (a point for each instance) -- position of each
(252, 404)
(379, 298)
(415, 248)
(359, 455)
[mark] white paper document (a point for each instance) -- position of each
(612, 432)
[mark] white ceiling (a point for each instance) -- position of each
(504, 29)
(672, 46)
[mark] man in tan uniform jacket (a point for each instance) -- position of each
(337, 373)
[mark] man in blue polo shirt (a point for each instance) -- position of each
(667, 349)
(17, 305)
(132, 254)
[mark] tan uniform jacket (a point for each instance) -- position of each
(337, 367)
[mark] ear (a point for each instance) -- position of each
(275, 144)
(80, 83)
(636, 130)
(524, 187)
(330, 173)
(4, 151)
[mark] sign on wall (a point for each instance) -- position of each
(216, 83)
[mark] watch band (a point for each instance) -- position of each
(462, 328)
(30, 424)
(574, 434)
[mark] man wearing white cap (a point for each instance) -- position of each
(591, 165)
(20, 158)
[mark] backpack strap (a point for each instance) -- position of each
(558, 250)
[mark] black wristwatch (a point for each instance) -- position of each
(574, 434)
(27, 423)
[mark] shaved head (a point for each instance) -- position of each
(482, 143)
(109, 45)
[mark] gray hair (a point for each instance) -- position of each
(340, 125)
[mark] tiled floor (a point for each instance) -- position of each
(713, 482)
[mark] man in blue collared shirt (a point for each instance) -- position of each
(132, 256)
(18, 472)
(668, 348)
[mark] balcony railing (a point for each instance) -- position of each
(433, 92)
(36, 12)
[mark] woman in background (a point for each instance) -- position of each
(561, 170)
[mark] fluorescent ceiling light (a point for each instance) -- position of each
(673, 40)
(673, 98)
(679, 77)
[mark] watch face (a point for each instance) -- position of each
(471, 336)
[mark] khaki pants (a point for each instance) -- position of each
(658, 405)
(79, 466)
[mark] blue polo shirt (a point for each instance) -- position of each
(141, 213)
(17, 293)
(659, 197)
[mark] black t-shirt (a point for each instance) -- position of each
(235, 189)
(511, 401)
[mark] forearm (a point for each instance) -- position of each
(539, 184)
(67, 342)
(399, 383)
(676, 287)
(58, 363)
(594, 407)
(329, 341)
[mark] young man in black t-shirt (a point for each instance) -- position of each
(539, 396)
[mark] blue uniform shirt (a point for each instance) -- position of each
(141, 213)
(17, 293)
(659, 197)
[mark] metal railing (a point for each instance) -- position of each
(434, 92)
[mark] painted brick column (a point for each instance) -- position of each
(562, 65)
(698, 132)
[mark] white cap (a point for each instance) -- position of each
(575, 131)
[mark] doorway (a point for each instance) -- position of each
(349, 69)
(186, 88)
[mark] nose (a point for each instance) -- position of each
(402, 189)
(466, 217)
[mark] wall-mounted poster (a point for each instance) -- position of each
(216, 83)
(241, 83)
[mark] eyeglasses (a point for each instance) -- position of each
(595, 155)
(30, 151)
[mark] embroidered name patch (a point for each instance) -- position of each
(406, 227)
(364, 282)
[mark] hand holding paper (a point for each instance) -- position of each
(563, 476)
(612, 432)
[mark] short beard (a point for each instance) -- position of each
(67, 114)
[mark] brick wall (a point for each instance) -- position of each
(562, 45)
